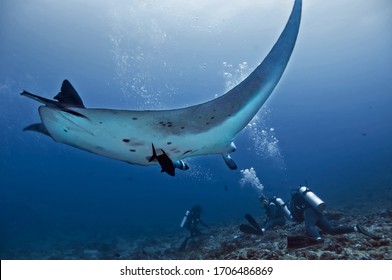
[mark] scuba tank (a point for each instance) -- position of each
(312, 199)
(185, 218)
(286, 210)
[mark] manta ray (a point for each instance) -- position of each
(136, 136)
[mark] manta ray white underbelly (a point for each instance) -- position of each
(207, 128)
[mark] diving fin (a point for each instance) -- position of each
(250, 230)
(299, 241)
(183, 244)
(253, 222)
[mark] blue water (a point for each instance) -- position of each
(328, 122)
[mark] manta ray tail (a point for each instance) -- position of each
(47, 102)
(67, 97)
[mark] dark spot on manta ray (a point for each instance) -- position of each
(100, 122)
(132, 150)
(126, 140)
(65, 130)
(207, 123)
(169, 143)
(212, 118)
(134, 119)
(168, 124)
(182, 127)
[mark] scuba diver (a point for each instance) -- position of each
(307, 207)
(191, 221)
(276, 214)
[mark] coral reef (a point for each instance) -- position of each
(226, 242)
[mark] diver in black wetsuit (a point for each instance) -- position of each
(274, 213)
(191, 222)
(306, 206)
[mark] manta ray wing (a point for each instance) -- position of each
(207, 128)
